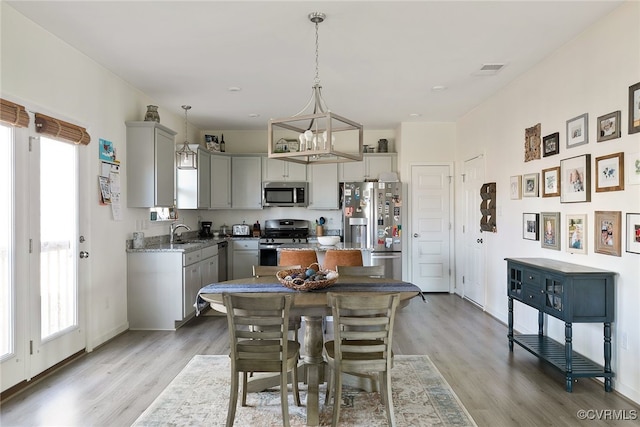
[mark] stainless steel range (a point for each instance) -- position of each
(279, 232)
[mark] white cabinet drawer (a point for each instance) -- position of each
(209, 251)
(244, 244)
(191, 257)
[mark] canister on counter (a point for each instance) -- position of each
(138, 240)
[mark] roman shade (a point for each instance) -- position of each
(61, 130)
(13, 114)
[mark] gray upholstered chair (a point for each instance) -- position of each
(262, 349)
(363, 332)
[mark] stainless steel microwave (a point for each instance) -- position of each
(285, 193)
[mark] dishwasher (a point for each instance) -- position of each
(222, 261)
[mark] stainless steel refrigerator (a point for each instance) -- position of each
(372, 220)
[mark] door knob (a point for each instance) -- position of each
(84, 254)
(415, 235)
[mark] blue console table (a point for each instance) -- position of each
(569, 292)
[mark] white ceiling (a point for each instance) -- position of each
(379, 60)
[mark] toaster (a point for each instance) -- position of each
(240, 230)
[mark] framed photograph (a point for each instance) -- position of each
(551, 182)
(515, 187)
(633, 233)
(532, 143)
(632, 168)
(575, 179)
(610, 173)
(608, 235)
(576, 239)
(609, 126)
(530, 227)
(578, 131)
(530, 185)
(551, 144)
(634, 108)
(550, 223)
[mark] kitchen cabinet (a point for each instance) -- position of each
(244, 255)
(369, 168)
(161, 288)
(571, 293)
(220, 182)
(150, 165)
(280, 170)
(246, 182)
(193, 187)
(323, 186)
(209, 266)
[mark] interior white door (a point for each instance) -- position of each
(473, 278)
(431, 227)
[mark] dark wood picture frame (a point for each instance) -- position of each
(610, 172)
(551, 144)
(575, 179)
(634, 108)
(609, 126)
(550, 182)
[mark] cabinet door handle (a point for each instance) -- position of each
(542, 291)
(530, 296)
(530, 277)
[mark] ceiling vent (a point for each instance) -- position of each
(489, 69)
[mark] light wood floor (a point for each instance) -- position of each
(114, 384)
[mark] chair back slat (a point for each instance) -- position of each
(365, 271)
(271, 270)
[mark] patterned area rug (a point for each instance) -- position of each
(199, 396)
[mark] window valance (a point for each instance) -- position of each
(61, 130)
(13, 114)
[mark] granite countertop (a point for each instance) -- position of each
(322, 248)
(184, 246)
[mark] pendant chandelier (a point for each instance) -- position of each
(315, 134)
(186, 158)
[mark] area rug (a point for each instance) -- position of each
(199, 396)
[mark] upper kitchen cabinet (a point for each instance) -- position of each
(246, 182)
(323, 186)
(280, 170)
(220, 182)
(194, 185)
(150, 165)
(369, 168)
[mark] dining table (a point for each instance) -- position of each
(313, 306)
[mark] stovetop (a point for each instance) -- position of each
(285, 231)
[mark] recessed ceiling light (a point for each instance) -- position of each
(415, 114)
(234, 89)
(438, 87)
(254, 115)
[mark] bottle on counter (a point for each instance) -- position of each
(222, 143)
(256, 229)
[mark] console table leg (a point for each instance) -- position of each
(510, 322)
(607, 356)
(540, 323)
(568, 354)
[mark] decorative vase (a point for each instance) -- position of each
(152, 114)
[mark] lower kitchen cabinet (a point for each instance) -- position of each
(209, 266)
(244, 257)
(162, 287)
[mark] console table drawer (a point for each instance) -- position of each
(531, 277)
(532, 296)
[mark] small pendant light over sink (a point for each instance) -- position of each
(317, 135)
(186, 158)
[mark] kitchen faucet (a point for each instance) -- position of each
(174, 228)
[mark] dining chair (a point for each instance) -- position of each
(363, 332)
(295, 322)
(367, 271)
(303, 257)
(348, 257)
(266, 349)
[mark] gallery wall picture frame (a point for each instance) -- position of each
(576, 227)
(632, 168)
(530, 184)
(531, 226)
(515, 187)
(634, 108)
(551, 182)
(551, 144)
(578, 131)
(633, 233)
(532, 143)
(609, 126)
(608, 233)
(610, 172)
(575, 179)
(550, 223)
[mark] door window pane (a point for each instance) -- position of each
(7, 318)
(58, 236)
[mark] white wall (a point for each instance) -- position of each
(591, 74)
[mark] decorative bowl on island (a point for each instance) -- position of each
(328, 240)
